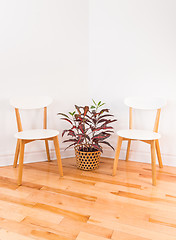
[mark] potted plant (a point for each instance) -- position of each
(89, 129)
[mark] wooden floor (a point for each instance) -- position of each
(88, 205)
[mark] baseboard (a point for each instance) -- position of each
(137, 156)
(36, 156)
(40, 156)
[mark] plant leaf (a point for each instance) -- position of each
(69, 140)
(106, 115)
(71, 133)
(96, 146)
(103, 127)
(70, 146)
(62, 114)
(100, 137)
(78, 117)
(81, 127)
(99, 103)
(102, 104)
(67, 120)
(108, 132)
(64, 132)
(78, 109)
(94, 102)
(80, 139)
(86, 109)
(104, 142)
(107, 121)
(87, 137)
(104, 110)
(72, 113)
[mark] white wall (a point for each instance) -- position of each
(43, 51)
(133, 52)
(49, 48)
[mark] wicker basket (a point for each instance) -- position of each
(87, 160)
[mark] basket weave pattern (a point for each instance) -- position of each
(87, 160)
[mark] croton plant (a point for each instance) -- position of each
(89, 127)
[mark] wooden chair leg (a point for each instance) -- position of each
(47, 150)
(57, 149)
(119, 143)
(16, 153)
(153, 158)
(128, 150)
(158, 154)
(21, 162)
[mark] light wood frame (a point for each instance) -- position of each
(154, 145)
(19, 153)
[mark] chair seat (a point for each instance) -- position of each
(37, 134)
(138, 134)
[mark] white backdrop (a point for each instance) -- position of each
(133, 53)
(43, 51)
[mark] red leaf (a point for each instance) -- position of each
(103, 110)
(71, 133)
(107, 144)
(81, 127)
(103, 127)
(80, 139)
(78, 109)
(70, 146)
(67, 120)
(86, 109)
(62, 114)
(100, 137)
(106, 115)
(69, 140)
(78, 117)
(64, 132)
(98, 147)
(107, 121)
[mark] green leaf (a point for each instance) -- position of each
(99, 103)
(102, 104)
(92, 107)
(94, 102)
(72, 113)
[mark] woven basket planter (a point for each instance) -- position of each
(87, 160)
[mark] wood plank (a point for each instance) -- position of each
(126, 236)
(87, 236)
(88, 205)
(8, 235)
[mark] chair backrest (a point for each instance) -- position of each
(30, 103)
(145, 104)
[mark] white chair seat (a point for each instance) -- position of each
(37, 134)
(138, 134)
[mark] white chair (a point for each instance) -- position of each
(27, 136)
(150, 137)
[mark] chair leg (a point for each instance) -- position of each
(153, 158)
(16, 153)
(128, 150)
(21, 162)
(47, 150)
(119, 143)
(57, 149)
(158, 154)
